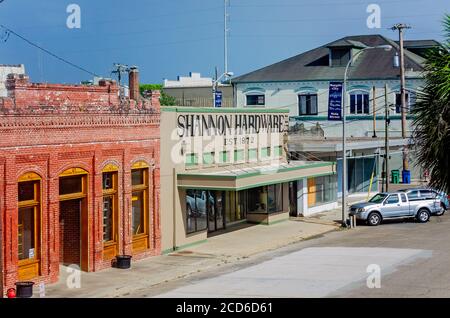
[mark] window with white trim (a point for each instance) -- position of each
(307, 104)
(256, 100)
(359, 103)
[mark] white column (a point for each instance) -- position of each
(302, 197)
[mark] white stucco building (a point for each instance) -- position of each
(301, 84)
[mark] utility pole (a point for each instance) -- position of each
(119, 69)
(344, 155)
(386, 138)
(225, 29)
(400, 27)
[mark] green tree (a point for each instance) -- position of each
(165, 99)
(432, 115)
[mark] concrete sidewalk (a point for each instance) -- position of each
(227, 248)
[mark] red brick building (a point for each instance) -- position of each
(79, 177)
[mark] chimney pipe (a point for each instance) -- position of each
(133, 82)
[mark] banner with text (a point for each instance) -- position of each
(335, 101)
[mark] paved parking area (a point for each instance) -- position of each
(311, 272)
(146, 275)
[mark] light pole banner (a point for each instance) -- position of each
(217, 99)
(335, 101)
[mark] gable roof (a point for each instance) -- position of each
(314, 64)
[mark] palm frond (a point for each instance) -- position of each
(432, 116)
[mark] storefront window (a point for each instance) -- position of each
(196, 210)
(107, 219)
(230, 213)
(109, 205)
(257, 200)
(359, 173)
(322, 190)
(28, 220)
(139, 204)
(138, 213)
(241, 206)
(275, 198)
(26, 233)
(235, 206)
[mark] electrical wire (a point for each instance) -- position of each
(48, 52)
(303, 4)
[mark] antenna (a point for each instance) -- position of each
(226, 30)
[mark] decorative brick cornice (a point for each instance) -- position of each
(71, 120)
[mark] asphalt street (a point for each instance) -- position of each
(396, 259)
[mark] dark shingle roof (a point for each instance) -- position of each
(420, 43)
(314, 64)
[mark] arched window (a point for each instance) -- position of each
(255, 96)
(28, 224)
(255, 99)
(359, 102)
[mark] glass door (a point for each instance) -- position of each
(220, 209)
(293, 211)
(210, 203)
(215, 207)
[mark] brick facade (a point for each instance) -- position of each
(49, 128)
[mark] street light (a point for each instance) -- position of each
(216, 82)
(344, 146)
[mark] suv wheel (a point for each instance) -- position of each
(374, 219)
(423, 216)
(441, 210)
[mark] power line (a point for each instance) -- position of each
(134, 19)
(147, 45)
(141, 31)
(48, 52)
(323, 19)
(340, 3)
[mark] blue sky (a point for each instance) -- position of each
(166, 38)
